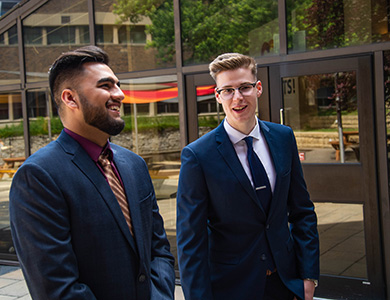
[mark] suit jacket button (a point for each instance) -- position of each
(267, 227)
(263, 257)
(141, 278)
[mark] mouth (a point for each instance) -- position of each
(240, 108)
(115, 107)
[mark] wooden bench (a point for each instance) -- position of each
(353, 146)
(10, 172)
(9, 162)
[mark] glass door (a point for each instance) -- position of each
(329, 106)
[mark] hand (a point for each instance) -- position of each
(309, 287)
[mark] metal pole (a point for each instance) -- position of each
(339, 122)
(136, 128)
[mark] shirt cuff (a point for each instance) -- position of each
(314, 280)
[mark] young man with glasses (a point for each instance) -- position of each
(246, 227)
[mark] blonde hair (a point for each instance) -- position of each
(232, 61)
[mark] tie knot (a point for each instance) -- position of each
(249, 141)
(104, 159)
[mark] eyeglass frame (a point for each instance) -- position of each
(218, 91)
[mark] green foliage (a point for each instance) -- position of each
(38, 126)
(162, 31)
(208, 121)
(134, 10)
(208, 27)
(151, 123)
(11, 131)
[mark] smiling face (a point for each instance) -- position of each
(240, 110)
(94, 104)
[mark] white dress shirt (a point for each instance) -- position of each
(260, 147)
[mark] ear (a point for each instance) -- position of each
(259, 88)
(217, 96)
(68, 97)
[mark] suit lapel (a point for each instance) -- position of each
(125, 171)
(273, 145)
(82, 160)
(225, 147)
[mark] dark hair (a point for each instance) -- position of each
(232, 61)
(69, 64)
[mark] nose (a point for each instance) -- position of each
(237, 94)
(117, 94)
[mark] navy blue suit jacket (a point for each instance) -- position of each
(222, 230)
(70, 234)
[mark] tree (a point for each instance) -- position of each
(208, 27)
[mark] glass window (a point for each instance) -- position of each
(317, 25)
(11, 157)
(320, 109)
(44, 123)
(387, 104)
(210, 112)
(132, 34)
(210, 28)
(33, 35)
(9, 58)
(342, 240)
(61, 35)
(56, 27)
(152, 131)
(5, 6)
(10, 107)
(139, 36)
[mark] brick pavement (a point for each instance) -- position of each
(13, 286)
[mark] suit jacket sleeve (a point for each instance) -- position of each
(41, 232)
(192, 237)
(162, 262)
(303, 220)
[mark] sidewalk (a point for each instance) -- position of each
(13, 286)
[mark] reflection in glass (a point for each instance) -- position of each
(10, 107)
(150, 109)
(322, 111)
(316, 25)
(7, 5)
(136, 35)
(54, 28)
(387, 104)
(210, 28)
(11, 156)
(9, 58)
(210, 112)
(342, 241)
(44, 123)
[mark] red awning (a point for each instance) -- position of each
(150, 96)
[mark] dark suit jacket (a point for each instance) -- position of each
(222, 230)
(70, 234)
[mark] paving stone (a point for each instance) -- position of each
(17, 289)
(6, 282)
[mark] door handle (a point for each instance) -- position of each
(281, 116)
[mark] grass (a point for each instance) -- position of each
(39, 126)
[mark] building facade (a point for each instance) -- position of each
(325, 69)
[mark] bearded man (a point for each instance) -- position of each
(84, 216)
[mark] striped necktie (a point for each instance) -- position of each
(259, 176)
(116, 188)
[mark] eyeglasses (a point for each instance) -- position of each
(228, 93)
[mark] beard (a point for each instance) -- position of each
(99, 117)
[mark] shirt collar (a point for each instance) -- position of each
(91, 148)
(236, 136)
